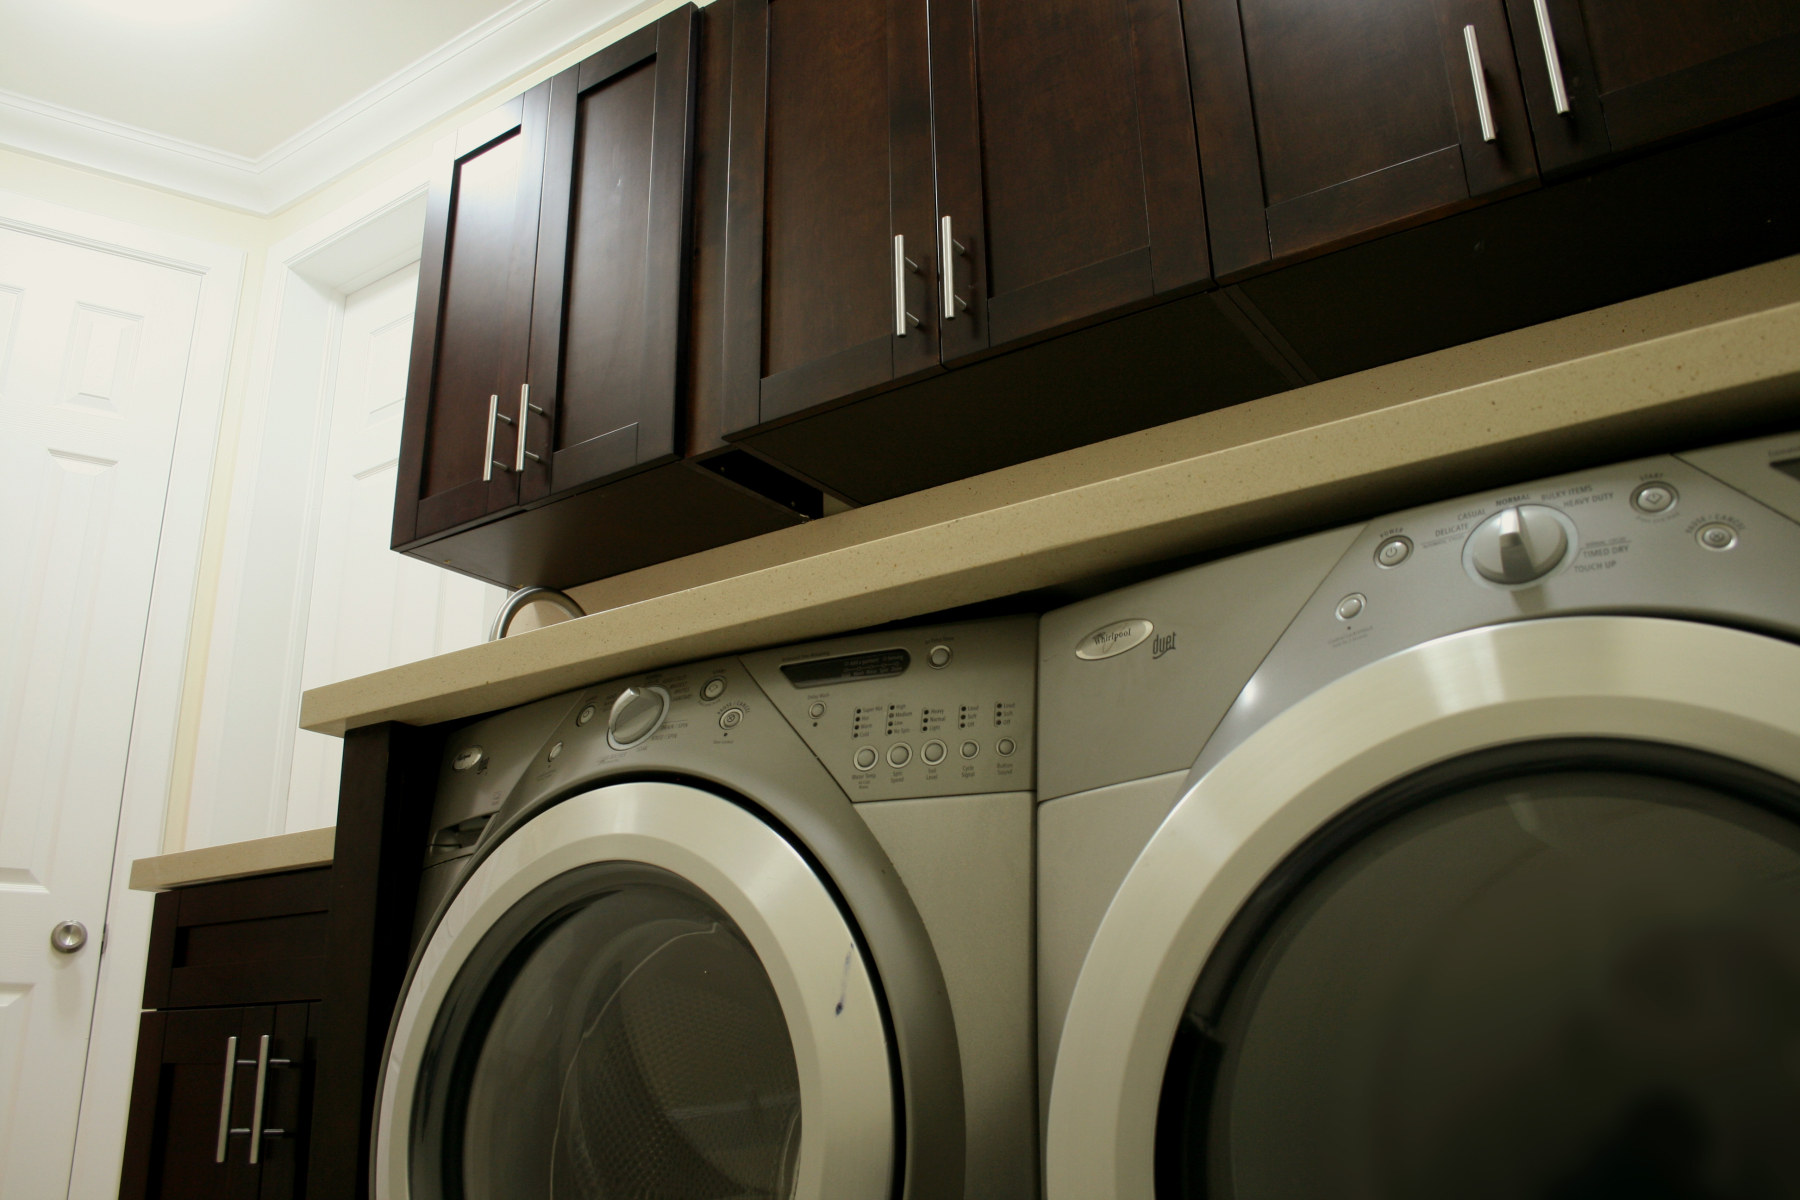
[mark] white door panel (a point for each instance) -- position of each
(371, 608)
(93, 356)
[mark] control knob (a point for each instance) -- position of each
(636, 714)
(1518, 545)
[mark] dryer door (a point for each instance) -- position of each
(644, 991)
(1513, 913)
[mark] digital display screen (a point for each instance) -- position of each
(1789, 467)
(847, 669)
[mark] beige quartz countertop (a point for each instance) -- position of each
(1708, 362)
(264, 856)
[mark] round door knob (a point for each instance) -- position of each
(68, 937)
(1518, 545)
(636, 714)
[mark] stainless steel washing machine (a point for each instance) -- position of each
(1454, 854)
(754, 927)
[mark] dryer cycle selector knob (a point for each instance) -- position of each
(636, 714)
(1519, 545)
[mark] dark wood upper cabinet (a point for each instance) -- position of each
(1611, 75)
(1068, 180)
(1322, 122)
(472, 325)
(830, 259)
(609, 318)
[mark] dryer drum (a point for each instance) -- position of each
(614, 1037)
(1550, 969)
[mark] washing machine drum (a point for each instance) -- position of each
(1559, 970)
(631, 999)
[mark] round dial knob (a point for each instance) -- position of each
(636, 714)
(1518, 545)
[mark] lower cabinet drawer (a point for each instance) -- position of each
(220, 1101)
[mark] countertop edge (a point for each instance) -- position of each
(235, 860)
(1219, 493)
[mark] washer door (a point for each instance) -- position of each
(1512, 913)
(644, 991)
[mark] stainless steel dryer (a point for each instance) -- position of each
(754, 927)
(1457, 854)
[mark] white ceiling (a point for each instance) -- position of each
(253, 103)
(239, 76)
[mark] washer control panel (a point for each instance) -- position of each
(941, 710)
(1658, 536)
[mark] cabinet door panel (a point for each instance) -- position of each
(1638, 71)
(472, 328)
(1076, 188)
(1366, 117)
(612, 270)
(831, 163)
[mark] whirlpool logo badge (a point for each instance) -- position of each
(1114, 639)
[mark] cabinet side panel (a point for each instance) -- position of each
(1636, 41)
(1343, 90)
(828, 274)
(603, 349)
(1064, 171)
(475, 311)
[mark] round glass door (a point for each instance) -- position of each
(1544, 972)
(613, 1037)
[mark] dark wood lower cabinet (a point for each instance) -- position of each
(310, 960)
(221, 1101)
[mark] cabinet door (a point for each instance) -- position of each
(472, 327)
(608, 321)
(1322, 122)
(1068, 182)
(1606, 75)
(830, 263)
(205, 1092)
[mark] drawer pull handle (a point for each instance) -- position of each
(225, 1098)
(489, 462)
(1559, 91)
(526, 407)
(903, 320)
(1482, 108)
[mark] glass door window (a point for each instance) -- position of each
(614, 1037)
(1548, 971)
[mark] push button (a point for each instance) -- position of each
(1351, 606)
(730, 718)
(587, 714)
(1393, 552)
(817, 710)
(970, 749)
(712, 689)
(899, 754)
(866, 758)
(933, 753)
(1717, 536)
(938, 656)
(1005, 747)
(1654, 498)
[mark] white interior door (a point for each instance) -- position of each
(371, 608)
(94, 350)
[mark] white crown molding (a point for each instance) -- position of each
(503, 49)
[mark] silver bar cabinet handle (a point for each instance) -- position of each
(899, 285)
(525, 406)
(256, 1111)
(947, 267)
(487, 458)
(225, 1098)
(1482, 108)
(1559, 92)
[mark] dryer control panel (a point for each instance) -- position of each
(941, 710)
